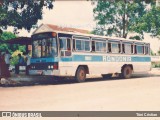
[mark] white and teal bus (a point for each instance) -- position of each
(70, 54)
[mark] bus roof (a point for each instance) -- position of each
(98, 36)
(48, 28)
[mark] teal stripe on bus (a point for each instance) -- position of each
(98, 58)
(94, 58)
(141, 59)
(44, 60)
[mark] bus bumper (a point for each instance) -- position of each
(44, 72)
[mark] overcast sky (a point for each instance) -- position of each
(76, 14)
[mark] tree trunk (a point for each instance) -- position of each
(124, 20)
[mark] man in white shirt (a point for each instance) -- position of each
(7, 58)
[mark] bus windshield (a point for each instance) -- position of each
(46, 47)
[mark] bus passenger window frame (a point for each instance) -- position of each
(125, 50)
(110, 47)
(148, 50)
(68, 44)
(65, 52)
(60, 41)
(132, 48)
(82, 40)
(73, 45)
(119, 46)
(93, 46)
(136, 48)
(103, 47)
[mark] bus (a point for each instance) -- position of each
(71, 54)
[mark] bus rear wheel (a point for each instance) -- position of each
(126, 72)
(80, 74)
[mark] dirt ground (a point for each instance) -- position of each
(140, 93)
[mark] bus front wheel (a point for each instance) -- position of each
(126, 72)
(80, 74)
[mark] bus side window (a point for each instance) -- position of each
(143, 49)
(68, 51)
(140, 49)
(146, 50)
(68, 44)
(104, 47)
(109, 47)
(62, 44)
(65, 47)
(93, 46)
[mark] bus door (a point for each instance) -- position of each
(65, 56)
(65, 47)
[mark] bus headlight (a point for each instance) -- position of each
(33, 67)
(49, 67)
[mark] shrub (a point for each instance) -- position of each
(14, 59)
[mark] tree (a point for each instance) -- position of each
(150, 22)
(119, 17)
(22, 13)
(11, 48)
(158, 52)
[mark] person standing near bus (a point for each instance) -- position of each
(7, 59)
(27, 59)
(4, 72)
(21, 62)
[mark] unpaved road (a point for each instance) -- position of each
(136, 94)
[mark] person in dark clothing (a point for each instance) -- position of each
(21, 62)
(4, 72)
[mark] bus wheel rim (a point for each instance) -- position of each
(127, 72)
(82, 75)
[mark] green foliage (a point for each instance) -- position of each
(135, 37)
(155, 65)
(150, 22)
(158, 52)
(15, 58)
(119, 17)
(22, 13)
(6, 36)
(152, 53)
(11, 48)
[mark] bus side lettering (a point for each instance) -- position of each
(88, 58)
(118, 59)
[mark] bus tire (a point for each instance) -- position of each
(80, 74)
(126, 72)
